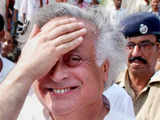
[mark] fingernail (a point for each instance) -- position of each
(80, 38)
(72, 19)
(84, 30)
(81, 24)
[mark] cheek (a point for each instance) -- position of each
(42, 96)
(91, 80)
(152, 60)
(39, 87)
(86, 75)
(38, 90)
(129, 52)
(151, 56)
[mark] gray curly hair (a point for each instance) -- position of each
(109, 44)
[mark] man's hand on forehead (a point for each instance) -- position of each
(46, 45)
(60, 21)
(61, 26)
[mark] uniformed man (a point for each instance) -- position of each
(142, 30)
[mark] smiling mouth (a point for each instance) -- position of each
(60, 91)
(137, 61)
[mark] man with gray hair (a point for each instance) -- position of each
(71, 57)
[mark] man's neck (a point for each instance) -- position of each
(139, 81)
(92, 112)
(117, 8)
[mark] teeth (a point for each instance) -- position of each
(61, 91)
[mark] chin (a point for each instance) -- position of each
(59, 106)
(138, 70)
(59, 110)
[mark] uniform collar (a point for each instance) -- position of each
(123, 81)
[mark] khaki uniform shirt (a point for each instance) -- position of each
(147, 103)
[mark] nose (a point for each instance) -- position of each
(59, 72)
(136, 51)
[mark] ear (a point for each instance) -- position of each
(105, 68)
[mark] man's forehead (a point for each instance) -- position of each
(142, 38)
(155, 0)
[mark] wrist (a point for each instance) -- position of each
(21, 74)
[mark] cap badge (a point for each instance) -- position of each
(143, 29)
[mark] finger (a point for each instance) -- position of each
(65, 48)
(64, 29)
(54, 23)
(35, 30)
(69, 37)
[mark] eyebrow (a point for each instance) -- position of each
(141, 41)
(145, 41)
